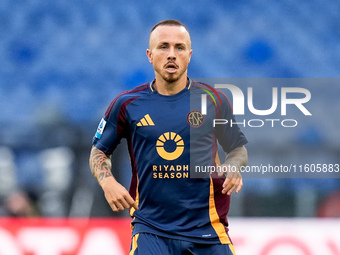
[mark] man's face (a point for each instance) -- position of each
(170, 52)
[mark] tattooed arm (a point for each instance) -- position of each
(100, 164)
(116, 195)
(235, 159)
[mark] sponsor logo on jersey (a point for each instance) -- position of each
(174, 144)
(145, 121)
(100, 128)
(170, 171)
(195, 118)
(170, 146)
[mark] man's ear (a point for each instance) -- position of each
(149, 55)
(190, 55)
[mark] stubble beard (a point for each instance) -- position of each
(171, 78)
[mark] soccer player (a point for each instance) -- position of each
(174, 209)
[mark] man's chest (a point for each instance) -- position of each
(150, 119)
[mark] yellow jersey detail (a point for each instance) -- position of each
(170, 136)
(145, 121)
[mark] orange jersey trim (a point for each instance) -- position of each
(214, 218)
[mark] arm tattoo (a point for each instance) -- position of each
(100, 164)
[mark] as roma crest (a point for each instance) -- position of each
(195, 118)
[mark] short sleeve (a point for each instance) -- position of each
(111, 128)
(228, 134)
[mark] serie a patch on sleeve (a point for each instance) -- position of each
(100, 128)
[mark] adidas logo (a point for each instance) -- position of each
(146, 121)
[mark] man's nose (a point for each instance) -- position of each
(171, 55)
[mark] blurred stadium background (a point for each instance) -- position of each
(62, 62)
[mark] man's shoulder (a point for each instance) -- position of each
(204, 88)
(137, 91)
(201, 85)
(133, 93)
(127, 96)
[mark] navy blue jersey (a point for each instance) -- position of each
(168, 138)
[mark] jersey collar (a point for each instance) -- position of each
(189, 83)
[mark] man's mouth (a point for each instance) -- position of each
(171, 67)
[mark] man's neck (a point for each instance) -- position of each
(170, 88)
